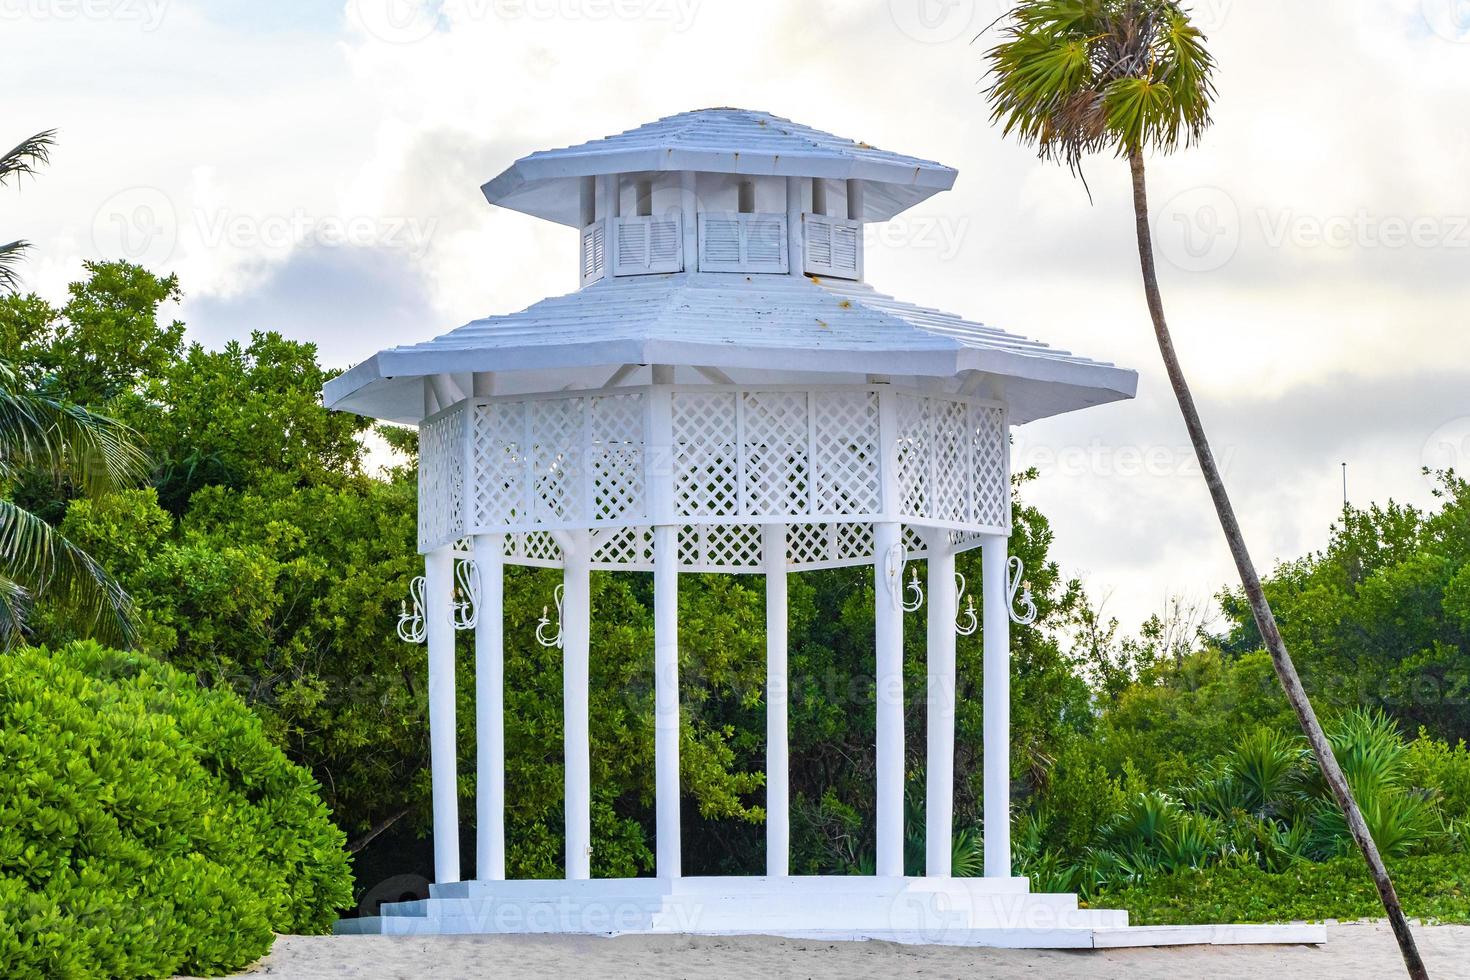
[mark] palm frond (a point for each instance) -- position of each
(1075, 77)
(27, 157)
(36, 432)
(15, 607)
(35, 559)
(10, 256)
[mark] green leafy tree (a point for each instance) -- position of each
(1078, 77)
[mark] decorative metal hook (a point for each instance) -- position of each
(543, 635)
(466, 595)
(411, 624)
(914, 589)
(1015, 584)
(968, 622)
(897, 558)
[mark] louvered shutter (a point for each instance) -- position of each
(834, 246)
(645, 245)
(594, 252)
(742, 243)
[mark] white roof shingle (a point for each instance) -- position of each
(761, 328)
(723, 140)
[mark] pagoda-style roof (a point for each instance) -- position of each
(724, 140)
(758, 328)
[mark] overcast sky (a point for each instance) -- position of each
(313, 167)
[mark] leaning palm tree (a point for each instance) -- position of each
(41, 434)
(1077, 77)
(24, 159)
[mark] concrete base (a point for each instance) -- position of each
(929, 911)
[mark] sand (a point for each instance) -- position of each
(1357, 950)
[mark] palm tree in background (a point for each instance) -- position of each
(25, 159)
(1077, 77)
(92, 453)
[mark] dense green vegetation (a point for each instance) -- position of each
(148, 826)
(268, 549)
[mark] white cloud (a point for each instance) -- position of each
(251, 136)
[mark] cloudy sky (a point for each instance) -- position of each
(313, 167)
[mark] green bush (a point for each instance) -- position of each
(147, 826)
(1430, 887)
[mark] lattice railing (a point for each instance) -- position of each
(803, 456)
(441, 479)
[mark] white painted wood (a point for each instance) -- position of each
(940, 733)
(778, 780)
(576, 642)
(776, 329)
(666, 700)
(483, 384)
(996, 695)
(718, 141)
(832, 247)
(646, 245)
(443, 758)
(689, 213)
(795, 187)
(489, 555)
(888, 627)
(593, 252)
(741, 242)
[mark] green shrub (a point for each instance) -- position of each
(1430, 887)
(147, 826)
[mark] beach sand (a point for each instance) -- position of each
(1355, 950)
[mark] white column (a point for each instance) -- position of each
(997, 707)
(888, 629)
(576, 641)
(795, 234)
(666, 699)
(490, 709)
(443, 763)
(778, 783)
(939, 779)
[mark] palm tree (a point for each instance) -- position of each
(1076, 77)
(25, 159)
(48, 435)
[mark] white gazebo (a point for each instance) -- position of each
(723, 393)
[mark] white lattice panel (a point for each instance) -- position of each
(706, 461)
(776, 431)
(803, 456)
(991, 494)
(441, 480)
(847, 476)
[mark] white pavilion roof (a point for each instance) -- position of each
(724, 140)
(764, 329)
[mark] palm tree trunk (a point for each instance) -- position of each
(1265, 620)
